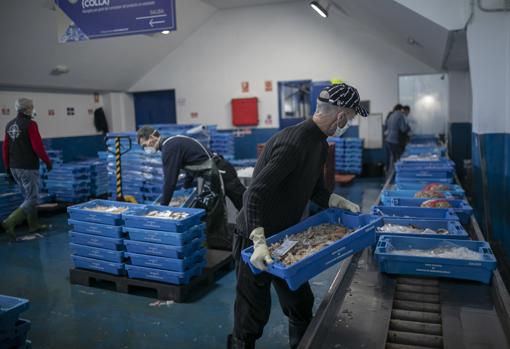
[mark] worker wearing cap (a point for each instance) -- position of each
(288, 174)
(182, 152)
(22, 149)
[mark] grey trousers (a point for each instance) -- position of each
(28, 181)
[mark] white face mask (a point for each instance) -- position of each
(340, 131)
(149, 150)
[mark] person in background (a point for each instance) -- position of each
(396, 125)
(288, 174)
(22, 149)
(182, 152)
(404, 136)
(397, 107)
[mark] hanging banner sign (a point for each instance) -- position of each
(80, 20)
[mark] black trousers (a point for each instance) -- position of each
(234, 189)
(395, 153)
(253, 302)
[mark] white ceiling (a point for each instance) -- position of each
(29, 49)
(240, 3)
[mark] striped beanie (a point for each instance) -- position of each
(343, 95)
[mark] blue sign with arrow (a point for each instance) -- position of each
(93, 19)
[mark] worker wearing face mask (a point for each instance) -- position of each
(288, 174)
(22, 149)
(216, 178)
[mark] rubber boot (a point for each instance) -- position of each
(10, 223)
(33, 223)
(296, 332)
(235, 343)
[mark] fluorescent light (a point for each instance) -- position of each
(319, 9)
(166, 32)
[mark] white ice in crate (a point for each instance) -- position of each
(450, 251)
(396, 228)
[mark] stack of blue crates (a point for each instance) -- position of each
(348, 154)
(401, 208)
(13, 329)
(222, 142)
(162, 249)
(98, 177)
(70, 182)
(97, 239)
(57, 160)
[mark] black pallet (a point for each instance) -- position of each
(218, 264)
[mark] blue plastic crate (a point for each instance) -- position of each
(96, 241)
(416, 212)
(161, 250)
(78, 212)
(455, 229)
(454, 189)
(425, 172)
(460, 207)
(165, 276)
(298, 273)
(99, 265)
(14, 334)
(423, 180)
(97, 253)
(165, 237)
(137, 219)
(10, 309)
(173, 264)
(110, 231)
(388, 195)
(432, 266)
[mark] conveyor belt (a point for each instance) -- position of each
(367, 309)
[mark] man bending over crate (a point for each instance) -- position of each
(22, 150)
(288, 174)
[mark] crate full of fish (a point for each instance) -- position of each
(97, 253)
(416, 212)
(460, 207)
(165, 276)
(114, 268)
(101, 211)
(315, 244)
(443, 229)
(164, 250)
(166, 237)
(458, 259)
(455, 189)
(388, 195)
(10, 310)
(172, 264)
(163, 218)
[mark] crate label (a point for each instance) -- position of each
(284, 248)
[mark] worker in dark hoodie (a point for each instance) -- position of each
(22, 149)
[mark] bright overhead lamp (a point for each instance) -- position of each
(165, 32)
(323, 12)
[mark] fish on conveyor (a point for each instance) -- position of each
(409, 229)
(178, 201)
(106, 209)
(428, 194)
(436, 187)
(168, 215)
(436, 204)
(308, 242)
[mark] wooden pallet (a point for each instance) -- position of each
(218, 264)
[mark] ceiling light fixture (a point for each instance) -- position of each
(323, 12)
(165, 32)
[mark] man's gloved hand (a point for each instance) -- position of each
(340, 202)
(261, 256)
(49, 166)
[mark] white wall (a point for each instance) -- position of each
(274, 42)
(460, 98)
(120, 111)
(60, 125)
(489, 57)
(451, 14)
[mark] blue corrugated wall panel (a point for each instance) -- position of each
(497, 154)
